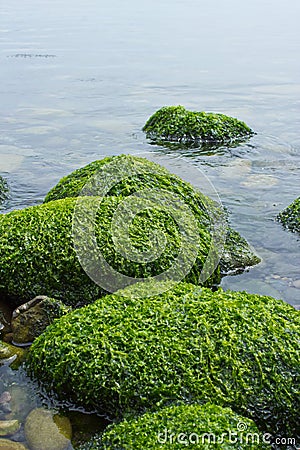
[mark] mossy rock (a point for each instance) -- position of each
(124, 355)
(175, 123)
(290, 217)
(3, 190)
(236, 256)
(38, 256)
(199, 426)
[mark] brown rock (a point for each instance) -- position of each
(32, 318)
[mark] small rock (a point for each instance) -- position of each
(10, 354)
(44, 429)
(9, 427)
(31, 319)
(6, 444)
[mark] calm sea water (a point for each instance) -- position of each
(79, 79)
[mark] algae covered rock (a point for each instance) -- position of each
(44, 429)
(290, 217)
(3, 190)
(175, 123)
(32, 318)
(149, 175)
(149, 223)
(130, 353)
(38, 256)
(199, 426)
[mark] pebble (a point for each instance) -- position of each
(9, 427)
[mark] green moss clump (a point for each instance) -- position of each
(290, 217)
(124, 355)
(175, 123)
(3, 190)
(200, 426)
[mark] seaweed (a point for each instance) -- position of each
(128, 354)
(200, 426)
(290, 217)
(176, 124)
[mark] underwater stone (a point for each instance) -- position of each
(9, 427)
(189, 343)
(6, 444)
(175, 123)
(44, 429)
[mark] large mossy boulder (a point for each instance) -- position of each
(176, 124)
(148, 175)
(39, 255)
(290, 217)
(199, 426)
(131, 353)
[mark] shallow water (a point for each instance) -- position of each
(79, 79)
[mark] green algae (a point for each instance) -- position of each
(290, 217)
(199, 426)
(175, 123)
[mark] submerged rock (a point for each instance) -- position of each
(290, 217)
(9, 427)
(168, 230)
(230, 348)
(175, 123)
(6, 444)
(46, 430)
(199, 426)
(32, 318)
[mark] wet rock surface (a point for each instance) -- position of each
(48, 431)
(32, 318)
